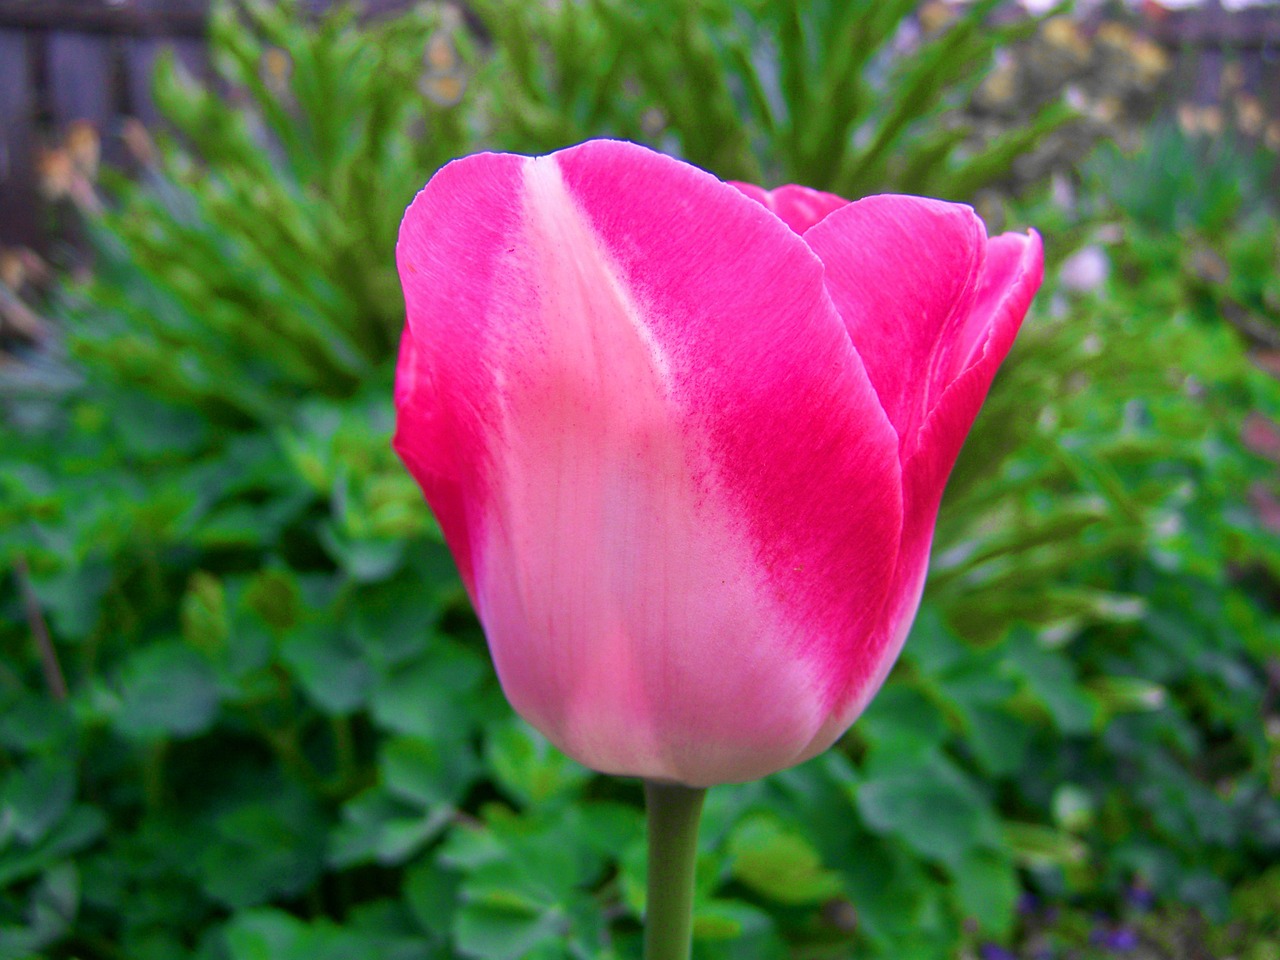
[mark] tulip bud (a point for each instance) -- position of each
(687, 439)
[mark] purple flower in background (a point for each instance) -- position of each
(1140, 896)
(1122, 939)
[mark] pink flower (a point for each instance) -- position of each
(687, 439)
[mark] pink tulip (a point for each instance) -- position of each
(687, 439)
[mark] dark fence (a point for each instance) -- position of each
(63, 61)
(1220, 52)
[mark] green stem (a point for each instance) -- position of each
(153, 775)
(344, 749)
(673, 851)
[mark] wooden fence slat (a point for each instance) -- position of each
(1211, 24)
(139, 60)
(163, 18)
(80, 78)
(15, 98)
(194, 55)
(18, 216)
(157, 17)
(1208, 82)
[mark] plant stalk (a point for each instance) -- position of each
(53, 677)
(673, 814)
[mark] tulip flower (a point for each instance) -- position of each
(687, 439)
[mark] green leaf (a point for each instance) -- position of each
(891, 891)
(432, 895)
(524, 884)
(400, 839)
(329, 668)
(30, 722)
(427, 773)
(903, 724)
(51, 909)
(1033, 845)
(36, 797)
(274, 596)
(72, 600)
(1073, 808)
(986, 887)
(732, 930)
(610, 827)
(395, 620)
(778, 863)
(528, 766)
(78, 829)
(508, 931)
(379, 827)
(433, 697)
(204, 615)
(1124, 694)
(931, 644)
(166, 690)
(266, 934)
(469, 848)
(1051, 681)
(264, 850)
(364, 560)
(998, 739)
(933, 808)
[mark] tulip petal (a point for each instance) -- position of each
(1011, 274)
(903, 272)
(933, 308)
(679, 495)
(447, 296)
(796, 206)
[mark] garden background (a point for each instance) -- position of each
(245, 709)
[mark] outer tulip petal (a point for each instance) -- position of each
(934, 308)
(903, 272)
(422, 442)
(1013, 271)
(447, 294)
(1011, 275)
(676, 492)
(796, 206)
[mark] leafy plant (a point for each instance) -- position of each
(852, 97)
(284, 208)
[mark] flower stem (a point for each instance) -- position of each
(673, 812)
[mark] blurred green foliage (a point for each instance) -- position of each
(284, 205)
(851, 96)
(283, 737)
